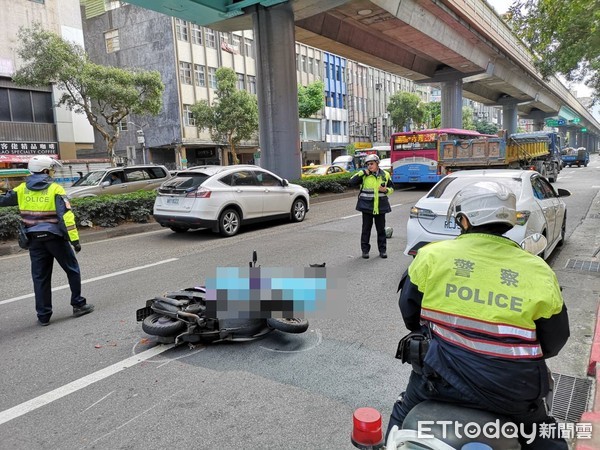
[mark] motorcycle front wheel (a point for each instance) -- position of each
(157, 325)
(288, 325)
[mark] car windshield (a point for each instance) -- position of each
(317, 171)
(449, 186)
(90, 179)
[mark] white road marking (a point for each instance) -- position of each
(360, 214)
(91, 280)
(63, 391)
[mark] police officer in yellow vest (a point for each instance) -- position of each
(494, 313)
(50, 226)
(373, 202)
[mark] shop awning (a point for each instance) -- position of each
(10, 158)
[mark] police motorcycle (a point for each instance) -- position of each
(431, 424)
(183, 316)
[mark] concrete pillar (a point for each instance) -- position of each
(277, 89)
(510, 119)
(451, 100)
(572, 138)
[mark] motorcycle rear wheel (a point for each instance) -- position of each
(288, 325)
(157, 325)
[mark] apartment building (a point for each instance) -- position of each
(30, 123)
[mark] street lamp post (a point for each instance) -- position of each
(141, 139)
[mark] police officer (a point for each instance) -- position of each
(494, 312)
(50, 226)
(375, 186)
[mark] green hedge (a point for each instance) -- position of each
(330, 183)
(104, 211)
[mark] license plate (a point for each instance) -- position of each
(450, 224)
(172, 201)
(413, 179)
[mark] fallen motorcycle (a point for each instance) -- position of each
(183, 316)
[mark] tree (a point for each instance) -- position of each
(484, 127)
(404, 107)
(467, 118)
(433, 114)
(311, 99)
(106, 95)
(233, 116)
(564, 36)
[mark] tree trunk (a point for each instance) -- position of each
(233, 152)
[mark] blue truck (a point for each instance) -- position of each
(579, 157)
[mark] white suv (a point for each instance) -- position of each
(224, 197)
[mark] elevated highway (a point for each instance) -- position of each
(462, 44)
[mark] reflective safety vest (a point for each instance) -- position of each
(369, 198)
(40, 207)
(484, 293)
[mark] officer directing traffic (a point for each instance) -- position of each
(493, 312)
(50, 227)
(375, 186)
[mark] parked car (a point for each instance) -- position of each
(223, 198)
(540, 208)
(119, 180)
(322, 170)
(386, 164)
(11, 178)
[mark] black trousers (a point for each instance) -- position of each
(421, 388)
(42, 254)
(367, 225)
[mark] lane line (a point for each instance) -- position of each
(360, 214)
(91, 280)
(63, 391)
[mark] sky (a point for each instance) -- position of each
(501, 6)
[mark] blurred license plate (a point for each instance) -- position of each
(172, 201)
(450, 224)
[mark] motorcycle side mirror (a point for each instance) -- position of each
(534, 244)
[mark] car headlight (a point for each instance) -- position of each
(421, 213)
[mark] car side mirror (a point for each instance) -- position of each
(534, 244)
(284, 182)
(563, 192)
(105, 183)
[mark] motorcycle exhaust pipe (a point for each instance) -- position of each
(194, 317)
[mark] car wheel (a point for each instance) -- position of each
(179, 229)
(298, 210)
(229, 223)
(157, 325)
(288, 325)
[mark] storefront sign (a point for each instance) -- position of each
(28, 148)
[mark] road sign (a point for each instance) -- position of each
(552, 122)
(584, 130)
(561, 122)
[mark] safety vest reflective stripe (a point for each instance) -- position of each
(370, 194)
(511, 351)
(466, 323)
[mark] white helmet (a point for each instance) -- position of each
(485, 202)
(42, 162)
(372, 157)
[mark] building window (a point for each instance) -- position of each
(38, 1)
(241, 84)
(311, 64)
(249, 45)
(336, 127)
(123, 125)
(252, 84)
(199, 75)
(112, 41)
(185, 72)
(196, 34)
(181, 30)
(211, 39)
(236, 41)
(303, 59)
(212, 77)
(188, 117)
(109, 4)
